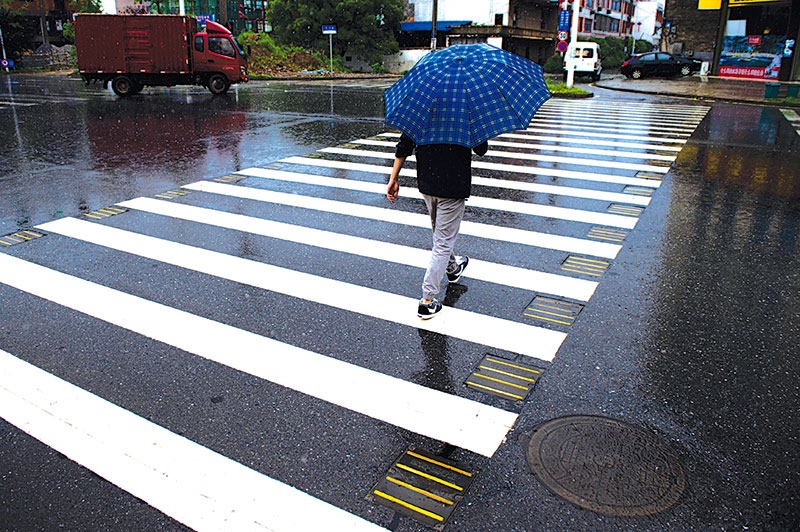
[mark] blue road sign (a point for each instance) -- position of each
(6, 63)
(564, 19)
(329, 29)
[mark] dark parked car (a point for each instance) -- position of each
(658, 64)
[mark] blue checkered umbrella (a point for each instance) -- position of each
(466, 94)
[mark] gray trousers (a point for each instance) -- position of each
(446, 214)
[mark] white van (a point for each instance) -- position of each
(586, 59)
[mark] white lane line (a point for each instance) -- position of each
(581, 141)
(531, 280)
(597, 163)
(438, 415)
(576, 132)
(636, 167)
(523, 156)
(534, 170)
(559, 190)
(192, 484)
(618, 114)
(491, 232)
(604, 118)
(623, 127)
(532, 209)
(614, 106)
(545, 147)
(558, 127)
(490, 331)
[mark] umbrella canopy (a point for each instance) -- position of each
(466, 94)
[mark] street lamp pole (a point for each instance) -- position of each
(433, 25)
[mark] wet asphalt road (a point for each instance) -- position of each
(691, 334)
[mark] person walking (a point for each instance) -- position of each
(450, 104)
(444, 178)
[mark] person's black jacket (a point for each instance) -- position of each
(443, 170)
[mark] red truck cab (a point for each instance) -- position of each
(134, 51)
(217, 58)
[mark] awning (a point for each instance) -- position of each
(441, 25)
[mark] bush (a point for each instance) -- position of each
(267, 56)
(642, 47)
(378, 68)
(554, 64)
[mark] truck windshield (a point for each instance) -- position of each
(221, 46)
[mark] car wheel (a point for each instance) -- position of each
(123, 86)
(636, 73)
(218, 84)
(685, 70)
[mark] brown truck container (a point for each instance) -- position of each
(133, 51)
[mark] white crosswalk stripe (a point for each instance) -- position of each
(491, 232)
(156, 465)
(545, 219)
(538, 170)
(547, 211)
(558, 190)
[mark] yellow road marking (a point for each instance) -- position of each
(420, 490)
(440, 464)
(503, 362)
(32, 233)
(409, 506)
(500, 381)
(579, 271)
(493, 390)
(550, 313)
(547, 319)
(429, 477)
(487, 368)
(93, 216)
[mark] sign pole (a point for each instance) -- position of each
(3, 46)
(573, 40)
(330, 31)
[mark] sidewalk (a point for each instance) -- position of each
(700, 87)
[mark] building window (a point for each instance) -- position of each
(587, 25)
(498, 19)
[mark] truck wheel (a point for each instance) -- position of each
(218, 84)
(123, 86)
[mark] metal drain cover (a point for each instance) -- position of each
(605, 465)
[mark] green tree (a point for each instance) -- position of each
(80, 6)
(11, 23)
(365, 28)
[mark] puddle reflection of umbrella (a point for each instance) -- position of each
(466, 94)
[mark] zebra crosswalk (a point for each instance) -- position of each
(334, 270)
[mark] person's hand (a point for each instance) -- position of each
(393, 189)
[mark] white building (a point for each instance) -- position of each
(647, 20)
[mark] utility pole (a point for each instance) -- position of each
(573, 41)
(723, 25)
(433, 25)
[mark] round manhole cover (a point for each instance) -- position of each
(605, 465)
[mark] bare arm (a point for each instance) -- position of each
(393, 189)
